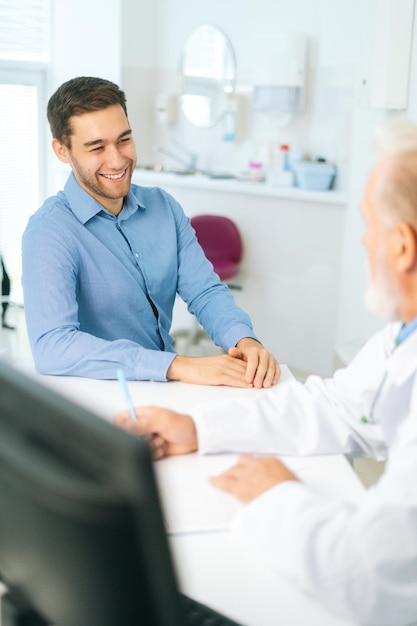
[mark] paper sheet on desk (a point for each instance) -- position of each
(191, 504)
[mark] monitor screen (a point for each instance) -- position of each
(82, 540)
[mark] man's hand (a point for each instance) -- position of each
(168, 433)
(247, 365)
(262, 369)
(251, 476)
(211, 370)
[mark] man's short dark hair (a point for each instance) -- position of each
(83, 94)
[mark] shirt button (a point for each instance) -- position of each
(136, 255)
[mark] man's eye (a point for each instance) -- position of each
(96, 149)
(125, 140)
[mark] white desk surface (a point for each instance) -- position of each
(211, 566)
(105, 397)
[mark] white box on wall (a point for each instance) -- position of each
(384, 66)
(280, 72)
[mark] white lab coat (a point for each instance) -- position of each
(358, 561)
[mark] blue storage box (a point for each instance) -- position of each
(314, 175)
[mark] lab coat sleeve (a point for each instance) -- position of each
(359, 561)
(321, 416)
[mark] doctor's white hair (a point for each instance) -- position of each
(396, 190)
(399, 135)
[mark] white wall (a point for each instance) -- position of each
(139, 71)
(355, 324)
(332, 58)
(86, 42)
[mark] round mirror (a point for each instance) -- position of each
(208, 74)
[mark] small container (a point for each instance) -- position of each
(294, 157)
(256, 171)
(314, 176)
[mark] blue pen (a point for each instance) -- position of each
(123, 383)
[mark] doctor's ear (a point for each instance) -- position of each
(60, 150)
(405, 247)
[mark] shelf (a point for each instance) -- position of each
(161, 179)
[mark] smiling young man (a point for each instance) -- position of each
(104, 259)
(101, 155)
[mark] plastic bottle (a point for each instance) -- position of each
(229, 122)
(284, 150)
(281, 174)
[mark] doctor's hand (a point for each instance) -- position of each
(168, 433)
(262, 369)
(252, 476)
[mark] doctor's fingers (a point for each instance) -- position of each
(123, 420)
(251, 476)
(237, 485)
(166, 431)
(239, 481)
(265, 468)
(172, 426)
(149, 419)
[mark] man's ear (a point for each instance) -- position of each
(405, 247)
(60, 150)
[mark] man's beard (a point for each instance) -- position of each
(382, 297)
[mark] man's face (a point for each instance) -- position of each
(382, 296)
(102, 155)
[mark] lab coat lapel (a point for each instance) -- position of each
(403, 362)
(393, 405)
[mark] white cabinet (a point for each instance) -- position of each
(386, 48)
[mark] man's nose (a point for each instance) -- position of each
(114, 158)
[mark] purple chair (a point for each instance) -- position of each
(220, 239)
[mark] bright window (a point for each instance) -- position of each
(19, 164)
(24, 53)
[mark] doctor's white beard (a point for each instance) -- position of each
(382, 297)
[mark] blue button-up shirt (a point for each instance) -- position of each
(99, 290)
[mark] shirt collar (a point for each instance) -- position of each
(405, 331)
(85, 206)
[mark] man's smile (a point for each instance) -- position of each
(114, 176)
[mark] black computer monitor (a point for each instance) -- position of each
(82, 541)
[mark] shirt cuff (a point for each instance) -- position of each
(236, 333)
(156, 367)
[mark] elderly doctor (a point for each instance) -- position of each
(360, 562)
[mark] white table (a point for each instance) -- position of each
(211, 566)
(105, 397)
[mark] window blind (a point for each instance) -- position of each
(24, 30)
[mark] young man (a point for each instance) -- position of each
(360, 562)
(104, 259)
